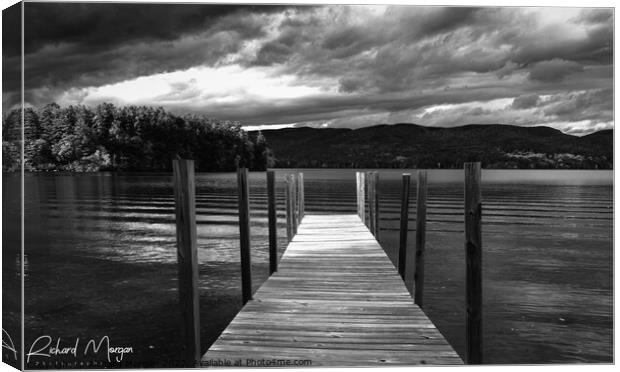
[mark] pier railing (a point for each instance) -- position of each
(368, 209)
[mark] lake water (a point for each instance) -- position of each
(101, 257)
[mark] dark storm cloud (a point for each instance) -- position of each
(349, 60)
(101, 26)
(79, 45)
(125, 61)
(352, 83)
(554, 70)
(273, 52)
(446, 19)
(526, 101)
(595, 16)
(413, 44)
(11, 67)
(596, 47)
(586, 105)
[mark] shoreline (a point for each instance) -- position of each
(144, 171)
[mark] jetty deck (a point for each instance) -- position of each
(336, 300)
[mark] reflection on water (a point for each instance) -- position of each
(102, 258)
(11, 270)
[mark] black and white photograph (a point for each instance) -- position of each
(306, 185)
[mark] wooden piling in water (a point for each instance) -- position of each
(302, 197)
(404, 225)
(272, 220)
(361, 197)
(420, 239)
(289, 207)
(357, 193)
(376, 203)
(298, 191)
(473, 252)
(358, 187)
(244, 234)
(187, 255)
(371, 205)
(294, 195)
(295, 203)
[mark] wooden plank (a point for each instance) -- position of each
(353, 339)
(431, 335)
(187, 255)
(244, 234)
(473, 258)
(420, 239)
(335, 302)
(404, 224)
(272, 220)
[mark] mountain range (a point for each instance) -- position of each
(407, 145)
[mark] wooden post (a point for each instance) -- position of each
(376, 201)
(299, 180)
(272, 217)
(289, 209)
(302, 197)
(295, 202)
(357, 193)
(404, 224)
(473, 252)
(363, 197)
(244, 234)
(371, 205)
(187, 256)
(420, 239)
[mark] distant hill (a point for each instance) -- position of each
(410, 146)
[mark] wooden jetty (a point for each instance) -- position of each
(335, 300)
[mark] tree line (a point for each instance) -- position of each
(79, 138)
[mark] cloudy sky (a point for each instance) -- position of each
(338, 66)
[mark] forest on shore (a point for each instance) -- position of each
(141, 138)
(107, 137)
